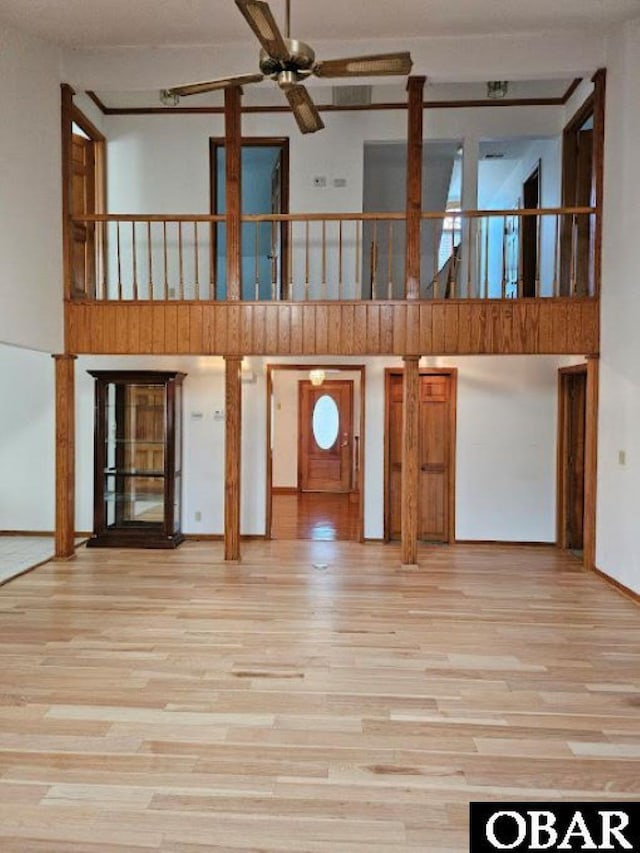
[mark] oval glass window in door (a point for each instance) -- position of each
(325, 422)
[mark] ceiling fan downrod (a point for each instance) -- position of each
(288, 19)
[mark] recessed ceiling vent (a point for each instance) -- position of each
(351, 96)
(494, 155)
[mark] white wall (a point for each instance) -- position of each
(27, 445)
(506, 447)
(617, 551)
(30, 193)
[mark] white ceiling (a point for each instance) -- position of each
(107, 23)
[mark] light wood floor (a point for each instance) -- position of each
(166, 701)
(315, 515)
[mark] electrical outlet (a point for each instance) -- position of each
(198, 516)
(339, 182)
(622, 457)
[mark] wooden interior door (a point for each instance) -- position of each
(83, 202)
(434, 456)
(394, 457)
(433, 518)
(325, 465)
(573, 425)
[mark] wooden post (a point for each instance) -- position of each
(591, 464)
(410, 473)
(65, 456)
(599, 95)
(233, 187)
(232, 458)
(415, 88)
(67, 94)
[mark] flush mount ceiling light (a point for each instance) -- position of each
(497, 89)
(316, 377)
(169, 99)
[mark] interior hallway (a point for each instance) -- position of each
(319, 516)
(165, 700)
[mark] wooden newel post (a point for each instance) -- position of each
(415, 88)
(410, 473)
(232, 457)
(65, 456)
(233, 189)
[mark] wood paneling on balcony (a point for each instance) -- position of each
(433, 327)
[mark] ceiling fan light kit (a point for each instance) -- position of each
(289, 62)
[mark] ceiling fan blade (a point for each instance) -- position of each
(366, 66)
(305, 111)
(214, 85)
(260, 18)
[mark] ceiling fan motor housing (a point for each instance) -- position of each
(300, 61)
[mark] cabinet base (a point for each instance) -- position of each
(123, 539)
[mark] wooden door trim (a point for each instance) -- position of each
(590, 371)
(282, 142)
(591, 463)
(594, 105)
(70, 114)
(355, 368)
(452, 372)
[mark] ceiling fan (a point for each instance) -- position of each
(289, 61)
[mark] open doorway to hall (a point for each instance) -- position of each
(315, 433)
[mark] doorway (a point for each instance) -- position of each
(530, 260)
(436, 462)
(315, 438)
(265, 190)
(572, 425)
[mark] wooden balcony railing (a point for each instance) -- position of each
(505, 254)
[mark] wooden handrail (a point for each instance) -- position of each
(148, 217)
(333, 217)
(540, 211)
(308, 256)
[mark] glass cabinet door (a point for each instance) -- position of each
(138, 458)
(135, 454)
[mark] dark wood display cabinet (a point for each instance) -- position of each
(138, 459)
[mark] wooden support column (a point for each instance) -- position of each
(415, 88)
(65, 456)
(233, 186)
(67, 94)
(232, 457)
(599, 96)
(410, 473)
(591, 463)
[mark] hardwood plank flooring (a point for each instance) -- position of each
(315, 515)
(167, 701)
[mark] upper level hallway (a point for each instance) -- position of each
(471, 244)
